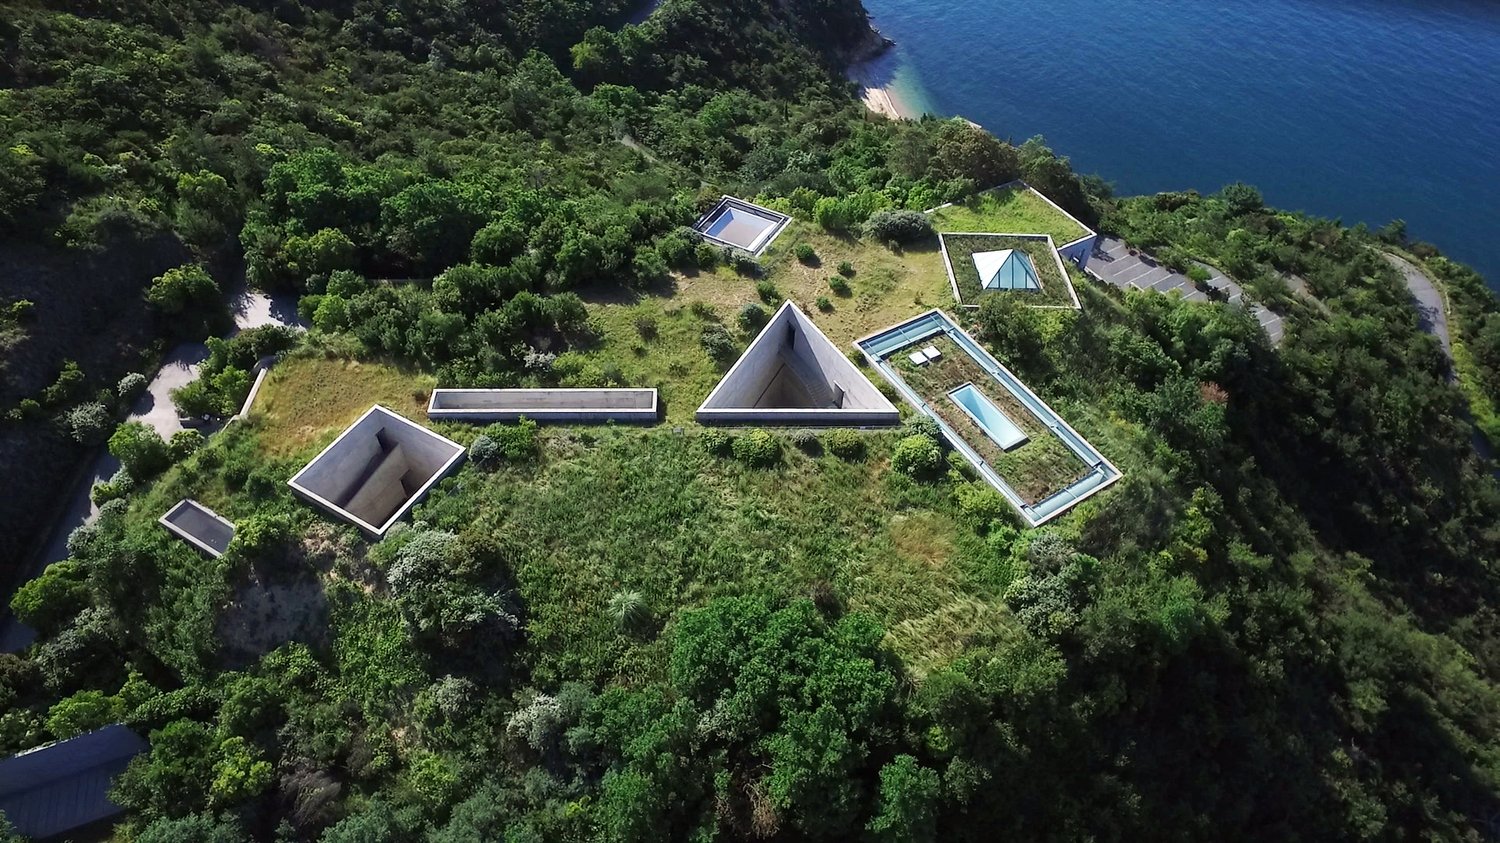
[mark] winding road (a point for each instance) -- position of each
(1428, 298)
(251, 309)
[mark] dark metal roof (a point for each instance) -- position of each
(64, 785)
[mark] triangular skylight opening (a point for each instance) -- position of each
(1007, 269)
(792, 374)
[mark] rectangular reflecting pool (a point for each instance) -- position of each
(991, 419)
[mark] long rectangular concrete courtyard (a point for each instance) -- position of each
(578, 406)
(1086, 470)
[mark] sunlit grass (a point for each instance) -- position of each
(1011, 210)
(308, 398)
(650, 511)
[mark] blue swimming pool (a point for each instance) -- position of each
(991, 419)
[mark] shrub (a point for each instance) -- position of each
(68, 386)
(676, 249)
(899, 226)
(743, 264)
(196, 399)
(89, 424)
(980, 501)
(717, 442)
(717, 342)
(838, 285)
(767, 292)
(806, 254)
(182, 289)
(959, 465)
(758, 448)
(26, 408)
(844, 443)
(184, 444)
(629, 610)
(917, 455)
(824, 304)
(646, 327)
(513, 442)
(131, 386)
(805, 440)
(846, 269)
(140, 449)
(1198, 275)
(706, 255)
(753, 317)
(118, 486)
(484, 451)
(922, 425)
(648, 266)
(261, 537)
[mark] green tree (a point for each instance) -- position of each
(908, 806)
(140, 449)
(198, 828)
(239, 773)
(325, 251)
(21, 182)
(207, 208)
(183, 289)
(1241, 198)
(963, 151)
(82, 712)
(173, 777)
(48, 602)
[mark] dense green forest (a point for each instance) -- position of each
(1278, 625)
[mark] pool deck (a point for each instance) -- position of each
(880, 346)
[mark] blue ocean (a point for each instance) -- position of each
(1363, 110)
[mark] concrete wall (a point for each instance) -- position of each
(746, 381)
(837, 370)
(1079, 251)
(791, 343)
(579, 406)
(761, 244)
(199, 526)
(378, 468)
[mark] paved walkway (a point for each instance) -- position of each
(1113, 263)
(251, 309)
(1428, 300)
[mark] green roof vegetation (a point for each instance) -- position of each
(1008, 210)
(1056, 290)
(1035, 469)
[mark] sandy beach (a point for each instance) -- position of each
(876, 80)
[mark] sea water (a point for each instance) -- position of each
(1363, 110)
